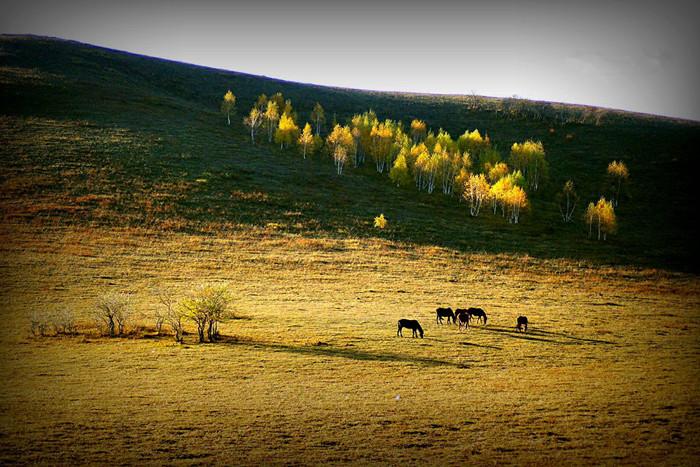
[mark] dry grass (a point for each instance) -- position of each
(311, 371)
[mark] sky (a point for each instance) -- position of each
(633, 55)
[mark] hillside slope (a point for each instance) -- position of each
(96, 136)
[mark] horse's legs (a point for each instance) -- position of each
(398, 333)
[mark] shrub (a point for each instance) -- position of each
(381, 222)
(113, 311)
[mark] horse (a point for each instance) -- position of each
(444, 313)
(522, 321)
(410, 324)
(463, 317)
(478, 313)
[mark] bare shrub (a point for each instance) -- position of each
(38, 323)
(170, 314)
(63, 322)
(113, 311)
(207, 306)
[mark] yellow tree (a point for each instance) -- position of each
(287, 132)
(399, 173)
(228, 105)
(475, 192)
(340, 142)
(617, 171)
(382, 136)
(418, 130)
(271, 117)
(529, 158)
(497, 172)
(516, 200)
(602, 215)
(318, 117)
(253, 121)
(306, 139)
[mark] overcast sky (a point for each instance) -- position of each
(633, 55)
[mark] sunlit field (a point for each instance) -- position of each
(311, 369)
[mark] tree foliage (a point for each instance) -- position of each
(206, 307)
(618, 173)
(228, 105)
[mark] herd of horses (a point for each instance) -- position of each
(461, 316)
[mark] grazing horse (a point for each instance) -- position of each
(463, 318)
(522, 322)
(410, 324)
(478, 313)
(444, 313)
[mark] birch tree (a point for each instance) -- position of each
(617, 171)
(306, 139)
(567, 200)
(475, 192)
(287, 132)
(271, 117)
(228, 105)
(318, 117)
(253, 121)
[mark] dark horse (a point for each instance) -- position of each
(477, 313)
(462, 316)
(522, 322)
(444, 313)
(410, 324)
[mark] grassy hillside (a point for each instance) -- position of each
(96, 136)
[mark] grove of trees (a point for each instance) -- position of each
(469, 168)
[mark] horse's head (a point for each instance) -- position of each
(420, 331)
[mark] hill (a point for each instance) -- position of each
(102, 132)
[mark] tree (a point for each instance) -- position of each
(340, 141)
(516, 200)
(318, 117)
(617, 171)
(306, 139)
(228, 105)
(172, 314)
(207, 306)
(271, 117)
(601, 214)
(287, 131)
(500, 190)
(567, 200)
(529, 158)
(497, 172)
(113, 311)
(399, 173)
(382, 137)
(362, 125)
(475, 192)
(418, 130)
(340, 155)
(253, 121)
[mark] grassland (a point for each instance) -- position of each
(118, 174)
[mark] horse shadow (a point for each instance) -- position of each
(539, 335)
(328, 350)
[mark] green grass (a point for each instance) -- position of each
(91, 121)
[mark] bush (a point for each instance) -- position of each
(207, 306)
(63, 322)
(113, 311)
(38, 323)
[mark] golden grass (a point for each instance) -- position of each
(312, 372)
